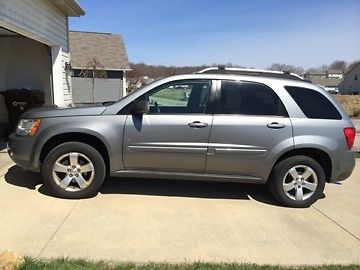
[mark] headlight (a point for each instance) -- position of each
(28, 127)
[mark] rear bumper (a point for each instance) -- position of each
(343, 165)
(21, 151)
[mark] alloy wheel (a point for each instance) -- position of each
(300, 183)
(73, 171)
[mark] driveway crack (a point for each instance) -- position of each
(336, 223)
(57, 229)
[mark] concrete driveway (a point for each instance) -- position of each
(174, 221)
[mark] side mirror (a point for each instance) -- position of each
(141, 107)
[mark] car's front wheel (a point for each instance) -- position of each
(73, 170)
(297, 181)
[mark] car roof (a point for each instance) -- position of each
(252, 72)
(248, 78)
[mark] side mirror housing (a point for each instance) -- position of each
(141, 107)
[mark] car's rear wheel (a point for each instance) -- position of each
(73, 170)
(297, 181)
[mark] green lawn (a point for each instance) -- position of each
(172, 94)
(67, 264)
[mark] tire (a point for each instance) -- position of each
(297, 181)
(73, 170)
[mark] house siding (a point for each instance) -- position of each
(349, 85)
(37, 16)
(105, 90)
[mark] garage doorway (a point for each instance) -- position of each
(24, 63)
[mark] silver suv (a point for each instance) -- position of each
(248, 126)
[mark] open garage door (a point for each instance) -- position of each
(24, 63)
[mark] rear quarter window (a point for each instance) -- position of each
(313, 104)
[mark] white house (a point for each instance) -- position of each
(34, 48)
(335, 73)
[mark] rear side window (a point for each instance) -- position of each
(249, 99)
(313, 104)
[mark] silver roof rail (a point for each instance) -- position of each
(251, 72)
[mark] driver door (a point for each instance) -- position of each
(174, 135)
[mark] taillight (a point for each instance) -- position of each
(350, 134)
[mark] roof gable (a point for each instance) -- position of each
(107, 48)
(353, 68)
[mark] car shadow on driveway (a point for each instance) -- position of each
(185, 188)
(157, 187)
(18, 177)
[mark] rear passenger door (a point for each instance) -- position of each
(250, 129)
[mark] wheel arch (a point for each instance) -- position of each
(86, 138)
(317, 154)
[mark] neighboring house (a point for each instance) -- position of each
(109, 50)
(351, 83)
(329, 79)
(335, 73)
(309, 75)
(34, 48)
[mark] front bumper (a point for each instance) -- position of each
(21, 151)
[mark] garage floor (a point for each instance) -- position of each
(174, 221)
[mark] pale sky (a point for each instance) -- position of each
(252, 33)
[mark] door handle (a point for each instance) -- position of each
(275, 125)
(197, 124)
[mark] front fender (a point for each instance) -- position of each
(108, 129)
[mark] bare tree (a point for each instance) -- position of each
(94, 70)
(353, 64)
(312, 70)
(133, 78)
(286, 67)
(338, 64)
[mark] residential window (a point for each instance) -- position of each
(356, 77)
(250, 99)
(313, 104)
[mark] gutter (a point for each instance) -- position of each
(70, 7)
(76, 7)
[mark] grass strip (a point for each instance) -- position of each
(79, 264)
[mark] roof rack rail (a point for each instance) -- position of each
(251, 72)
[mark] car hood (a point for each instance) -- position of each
(48, 112)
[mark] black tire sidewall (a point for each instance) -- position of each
(279, 171)
(85, 149)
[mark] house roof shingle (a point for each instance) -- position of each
(335, 71)
(108, 48)
(327, 82)
(315, 73)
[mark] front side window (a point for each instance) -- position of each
(180, 97)
(249, 99)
